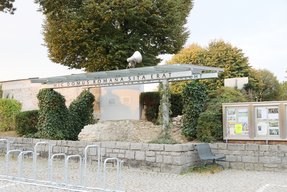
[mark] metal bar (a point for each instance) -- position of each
(35, 155)
(67, 166)
(86, 160)
(50, 169)
(7, 158)
(20, 161)
(118, 172)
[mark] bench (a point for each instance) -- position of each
(206, 156)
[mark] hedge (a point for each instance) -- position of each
(26, 122)
(9, 108)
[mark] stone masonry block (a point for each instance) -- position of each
(150, 159)
(264, 147)
(116, 150)
(249, 166)
(159, 158)
(121, 156)
(252, 147)
(178, 160)
(145, 146)
(123, 145)
(109, 144)
(156, 147)
(177, 147)
(236, 147)
(136, 146)
(130, 154)
(150, 153)
(249, 159)
(222, 146)
(237, 165)
(283, 148)
(270, 165)
(270, 160)
(258, 167)
(140, 155)
(167, 159)
(274, 148)
(231, 158)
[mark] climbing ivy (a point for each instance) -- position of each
(194, 102)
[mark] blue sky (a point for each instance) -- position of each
(258, 27)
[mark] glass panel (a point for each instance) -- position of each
(267, 121)
(237, 121)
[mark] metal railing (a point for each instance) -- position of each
(31, 178)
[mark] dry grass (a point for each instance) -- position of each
(8, 134)
(209, 169)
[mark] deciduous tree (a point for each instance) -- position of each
(217, 54)
(100, 35)
(262, 86)
(6, 6)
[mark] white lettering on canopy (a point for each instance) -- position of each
(138, 79)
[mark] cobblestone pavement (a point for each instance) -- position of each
(136, 180)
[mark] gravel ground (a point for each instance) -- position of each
(136, 180)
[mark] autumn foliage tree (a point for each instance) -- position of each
(101, 35)
(217, 54)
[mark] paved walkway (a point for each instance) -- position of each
(136, 180)
(224, 181)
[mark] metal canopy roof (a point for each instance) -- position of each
(140, 75)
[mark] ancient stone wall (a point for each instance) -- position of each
(170, 158)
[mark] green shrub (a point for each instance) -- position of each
(54, 117)
(9, 108)
(210, 127)
(26, 122)
(151, 100)
(81, 110)
(194, 102)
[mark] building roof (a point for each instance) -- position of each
(142, 75)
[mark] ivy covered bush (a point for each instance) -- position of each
(26, 122)
(81, 111)
(54, 118)
(9, 108)
(56, 121)
(194, 103)
(210, 127)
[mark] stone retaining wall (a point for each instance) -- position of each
(156, 157)
(170, 158)
(253, 156)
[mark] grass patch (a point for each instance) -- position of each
(209, 169)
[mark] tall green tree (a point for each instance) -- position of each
(263, 86)
(100, 35)
(217, 54)
(283, 90)
(6, 6)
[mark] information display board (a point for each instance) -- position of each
(267, 121)
(237, 121)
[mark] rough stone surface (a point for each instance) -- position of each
(128, 130)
